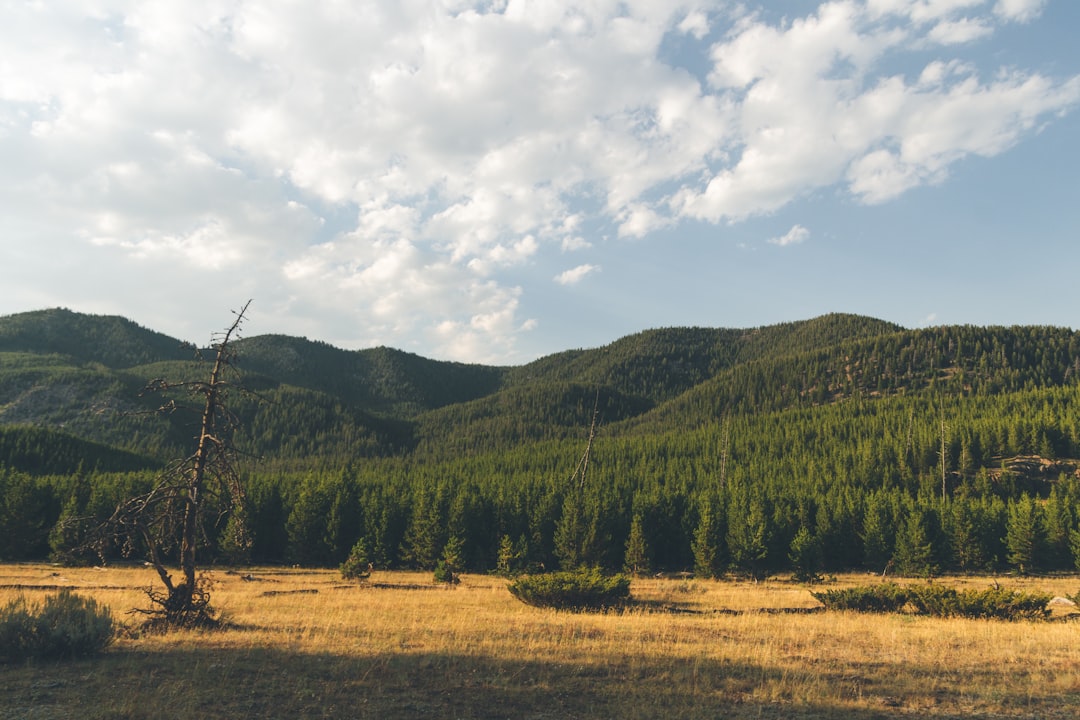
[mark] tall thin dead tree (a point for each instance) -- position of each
(583, 464)
(170, 516)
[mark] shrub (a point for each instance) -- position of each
(886, 597)
(576, 590)
(65, 626)
(444, 573)
(939, 601)
(992, 603)
(357, 566)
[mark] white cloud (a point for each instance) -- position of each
(811, 113)
(794, 236)
(576, 275)
(956, 32)
(1019, 10)
(695, 23)
(375, 172)
(571, 243)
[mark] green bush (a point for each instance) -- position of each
(886, 597)
(936, 600)
(576, 590)
(357, 566)
(444, 573)
(992, 603)
(65, 626)
(939, 601)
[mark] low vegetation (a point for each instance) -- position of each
(303, 643)
(940, 601)
(63, 626)
(575, 590)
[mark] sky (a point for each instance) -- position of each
(494, 181)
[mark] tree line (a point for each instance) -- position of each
(920, 484)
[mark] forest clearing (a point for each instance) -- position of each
(304, 643)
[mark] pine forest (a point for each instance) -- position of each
(827, 445)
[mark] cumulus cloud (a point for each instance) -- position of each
(1019, 10)
(794, 236)
(575, 275)
(376, 172)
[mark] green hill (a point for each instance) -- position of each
(831, 443)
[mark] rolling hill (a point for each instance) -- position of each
(866, 442)
(83, 374)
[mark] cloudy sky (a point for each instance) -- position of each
(496, 180)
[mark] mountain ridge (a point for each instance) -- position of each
(67, 370)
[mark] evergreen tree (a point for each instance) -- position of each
(748, 535)
(26, 516)
(358, 565)
(425, 538)
(306, 525)
(805, 556)
(878, 532)
(344, 521)
(965, 535)
(511, 556)
(234, 545)
(637, 560)
(570, 533)
(1074, 546)
(914, 549)
(1057, 525)
(452, 561)
(70, 539)
(1024, 534)
(706, 543)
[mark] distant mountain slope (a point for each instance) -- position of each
(83, 374)
(380, 379)
(112, 341)
(954, 360)
(661, 364)
(40, 451)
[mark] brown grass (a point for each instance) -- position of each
(399, 647)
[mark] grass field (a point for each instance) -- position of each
(304, 644)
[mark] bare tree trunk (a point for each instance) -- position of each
(172, 510)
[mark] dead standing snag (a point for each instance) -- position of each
(170, 515)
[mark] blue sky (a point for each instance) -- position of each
(495, 181)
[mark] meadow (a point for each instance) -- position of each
(305, 644)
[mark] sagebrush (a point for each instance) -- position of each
(65, 625)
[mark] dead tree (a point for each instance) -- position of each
(169, 517)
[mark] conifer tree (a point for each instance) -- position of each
(636, 559)
(805, 556)
(914, 549)
(878, 533)
(1024, 534)
(748, 534)
(706, 543)
(424, 540)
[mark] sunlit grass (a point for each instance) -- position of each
(307, 644)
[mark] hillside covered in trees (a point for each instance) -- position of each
(834, 443)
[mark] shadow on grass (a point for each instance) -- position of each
(228, 683)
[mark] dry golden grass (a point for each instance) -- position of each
(306, 644)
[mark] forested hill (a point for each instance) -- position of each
(83, 374)
(826, 444)
(112, 341)
(379, 380)
(660, 364)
